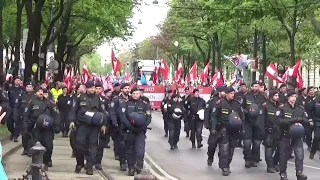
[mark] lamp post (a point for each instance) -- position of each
(176, 44)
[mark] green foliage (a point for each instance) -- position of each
(93, 62)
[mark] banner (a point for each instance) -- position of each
(156, 93)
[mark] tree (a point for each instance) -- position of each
(93, 62)
(148, 49)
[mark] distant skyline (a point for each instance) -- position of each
(150, 16)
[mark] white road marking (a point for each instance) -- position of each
(159, 168)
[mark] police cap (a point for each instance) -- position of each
(141, 89)
(229, 89)
(98, 84)
(255, 82)
(291, 92)
(272, 93)
(90, 84)
(28, 83)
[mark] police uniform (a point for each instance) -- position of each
(316, 120)
(186, 118)
(253, 127)
(64, 103)
(43, 116)
(309, 107)
(175, 112)
(289, 117)
(117, 133)
(25, 99)
(272, 129)
(196, 124)
(226, 122)
(136, 129)
(213, 138)
(14, 123)
(89, 111)
(165, 113)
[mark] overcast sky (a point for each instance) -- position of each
(150, 15)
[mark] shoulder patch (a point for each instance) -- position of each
(123, 109)
(112, 104)
(277, 113)
(214, 109)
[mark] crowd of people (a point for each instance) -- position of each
(279, 118)
(88, 115)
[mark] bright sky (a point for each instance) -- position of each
(150, 15)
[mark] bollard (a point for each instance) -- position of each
(37, 160)
(145, 175)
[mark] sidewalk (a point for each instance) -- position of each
(63, 165)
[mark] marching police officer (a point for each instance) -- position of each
(89, 111)
(226, 122)
(316, 120)
(186, 118)
(14, 123)
(25, 99)
(144, 98)
(272, 131)
(292, 117)
(196, 104)
(107, 104)
(210, 107)
(309, 107)
(64, 103)
(117, 133)
(175, 112)
(43, 115)
(253, 128)
(163, 107)
(135, 116)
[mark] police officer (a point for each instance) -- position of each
(89, 111)
(272, 131)
(210, 107)
(301, 99)
(164, 106)
(241, 93)
(43, 115)
(186, 118)
(253, 126)
(102, 137)
(116, 90)
(283, 94)
(64, 103)
(226, 122)
(14, 123)
(195, 104)
(107, 103)
(316, 120)
(175, 112)
(309, 107)
(117, 133)
(291, 120)
(142, 97)
(25, 99)
(135, 116)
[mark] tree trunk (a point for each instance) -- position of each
(196, 41)
(208, 54)
(213, 60)
(264, 57)
(292, 49)
(20, 4)
(255, 54)
(218, 50)
(1, 35)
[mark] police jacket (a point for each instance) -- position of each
(290, 115)
(220, 114)
(134, 106)
(251, 98)
(196, 104)
(239, 96)
(4, 103)
(316, 112)
(15, 93)
(309, 106)
(210, 106)
(272, 111)
(164, 102)
(301, 100)
(107, 104)
(87, 102)
(38, 106)
(283, 98)
(173, 105)
(25, 99)
(64, 103)
(115, 109)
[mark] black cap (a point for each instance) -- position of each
(195, 90)
(98, 84)
(141, 89)
(134, 89)
(107, 90)
(124, 85)
(90, 84)
(283, 85)
(272, 93)
(229, 89)
(221, 88)
(255, 82)
(291, 92)
(28, 83)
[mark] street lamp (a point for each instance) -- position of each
(140, 22)
(176, 43)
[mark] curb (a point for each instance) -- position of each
(11, 151)
(106, 174)
(4, 140)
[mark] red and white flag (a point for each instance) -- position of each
(116, 65)
(193, 73)
(272, 72)
(164, 70)
(179, 73)
(217, 79)
(155, 77)
(86, 75)
(205, 73)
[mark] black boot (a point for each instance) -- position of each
(225, 172)
(78, 169)
(200, 145)
(123, 167)
(187, 134)
(254, 164)
(50, 163)
(311, 156)
(175, 146)
(24, 153)
(98, 167)
(171, 147)
(283, 176)
(248, 164)
(271, 170)
(193, 145)
(131, 172)
(301, 176)
(210, 161)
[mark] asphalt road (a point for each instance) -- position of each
(186, 163)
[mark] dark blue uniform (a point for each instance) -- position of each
(14, 122)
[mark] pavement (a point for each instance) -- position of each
(186, 163)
